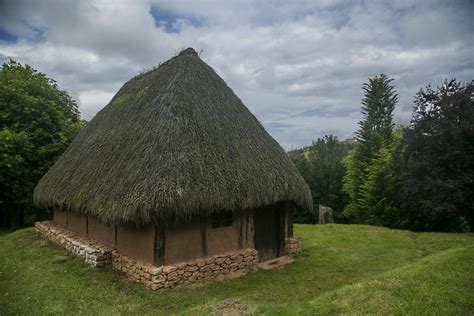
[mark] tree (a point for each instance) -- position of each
(439, 188)
(375, 132)
(37, 123)
(322, 167)
(381, 197)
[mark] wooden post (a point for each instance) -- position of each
(240, 227)
(159, 245)
(281, 213)
(290, 220)
(115, 233)
(204, 224)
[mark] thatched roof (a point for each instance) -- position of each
(172, 143)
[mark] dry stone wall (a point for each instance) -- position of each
(93, 252)
(292, 246)
(206, 269)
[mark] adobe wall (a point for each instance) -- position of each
(138, 243)
(77, 223)
(222, 239)
(135, 242)
(197, 238)
(60, 218)
(101, 232)
(184, 241)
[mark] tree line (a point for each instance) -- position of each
(418, 177)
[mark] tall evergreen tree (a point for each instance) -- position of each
(375, 132)
(381, 197)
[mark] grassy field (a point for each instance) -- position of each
(344, 269)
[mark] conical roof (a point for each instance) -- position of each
(172, 143)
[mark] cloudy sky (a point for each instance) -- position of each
(298, 65)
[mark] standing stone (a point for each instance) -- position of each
(325, 215)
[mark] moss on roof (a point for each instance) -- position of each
(172, 143)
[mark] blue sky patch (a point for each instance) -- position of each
(168, 19)
(7, 37)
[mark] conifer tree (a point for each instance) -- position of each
(375, 132)
(381, 192)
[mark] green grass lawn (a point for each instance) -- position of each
(344, 269)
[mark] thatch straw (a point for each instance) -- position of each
(172, 143)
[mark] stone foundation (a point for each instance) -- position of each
(93, 252)
(292, 246)
(221, 266)
(206, 269)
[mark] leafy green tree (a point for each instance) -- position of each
(322, 167)
(37, 122)
(439, 188)
(375, 132)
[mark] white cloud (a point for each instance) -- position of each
(298, 66)
(90, 99)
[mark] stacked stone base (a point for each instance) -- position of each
(230, 264)
(292, 246)
(206, 269)
(93, 252)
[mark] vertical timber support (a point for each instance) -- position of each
(204, 224)
(159, 245)
(115, 235)
(281, 213)
(87, 225)
(240, 227)
(289, 219)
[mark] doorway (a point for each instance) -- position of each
(267, 232)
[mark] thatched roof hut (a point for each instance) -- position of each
(175, 168)
(172, 143)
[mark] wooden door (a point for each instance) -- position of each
(267, 233)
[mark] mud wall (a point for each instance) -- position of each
(60, 218)
(222, 239)
(184, 241)
(77, 223)
(137, 242)
(101, 232)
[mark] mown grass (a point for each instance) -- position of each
(344, 269)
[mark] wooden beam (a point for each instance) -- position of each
(204, 224)
(290, 220)
(281, 212)
(240, 228)
(159, 245)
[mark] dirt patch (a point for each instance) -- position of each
(276, 263)
(229, 307)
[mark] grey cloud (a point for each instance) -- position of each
(298, 66)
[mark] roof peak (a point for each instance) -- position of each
(188, 50)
